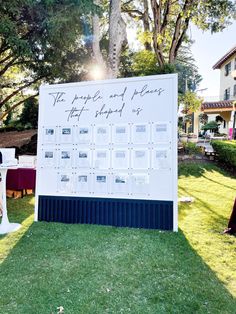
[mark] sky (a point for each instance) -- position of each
(207, 50)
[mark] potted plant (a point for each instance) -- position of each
(183, 137)
(192, 138)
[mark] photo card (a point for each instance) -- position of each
(82, 182)
(161, 159)
(66, 134)
(84, 135)
(65, 183)
(101, 183)
(140, 184)
(65, 157)
(48, 157)
(102, 134)
(120, 183)
(140, 134)
(101, 159)
(160, 132)
(49, 134)
(140, 159)
(83, 158)
(120, 159)
(120, 134)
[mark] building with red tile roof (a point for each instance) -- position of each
(226, 106)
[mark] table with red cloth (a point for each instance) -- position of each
(21, 179)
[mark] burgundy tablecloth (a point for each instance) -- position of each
(21, 179)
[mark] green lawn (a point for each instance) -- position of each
(96, 269)
(203, 221)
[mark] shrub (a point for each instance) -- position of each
(212, 125)
(29, 115)
(191, 148)
(7, 128)
(226, 151)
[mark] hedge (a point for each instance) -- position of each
(226, 151)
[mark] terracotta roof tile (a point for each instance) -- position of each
(217, 104)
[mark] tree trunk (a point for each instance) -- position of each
(97, 55)
(117, 37)
(146, 24)
(181, 26)
(96, 41)
(156, 32)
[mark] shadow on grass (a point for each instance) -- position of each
(184, 208)
(19, 210)
(96, 269)
(217, 182)
(198, 169)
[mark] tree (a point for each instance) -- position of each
(203, 118)
(32, 48)
(188, 75)
(139, 11)
(191, 102)
(8, 119)
(143, 62)
(29, 114)
(172, 18)
(116, 39)
(212, 125)
(169, 20)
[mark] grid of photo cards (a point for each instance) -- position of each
(106, 159)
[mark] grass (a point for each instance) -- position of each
(203, 221)
(231, 142)
(96, 269)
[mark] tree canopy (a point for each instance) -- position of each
(165, 23)
(48, 41)
(39, 42)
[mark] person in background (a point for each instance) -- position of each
(0, 181)
(232, 221)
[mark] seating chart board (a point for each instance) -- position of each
(109, 139)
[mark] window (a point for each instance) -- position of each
(227, 94)
(227, 68)
(235, 90)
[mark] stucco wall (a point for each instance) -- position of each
(227, 81)
(227, 116)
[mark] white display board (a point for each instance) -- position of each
(109, 139)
